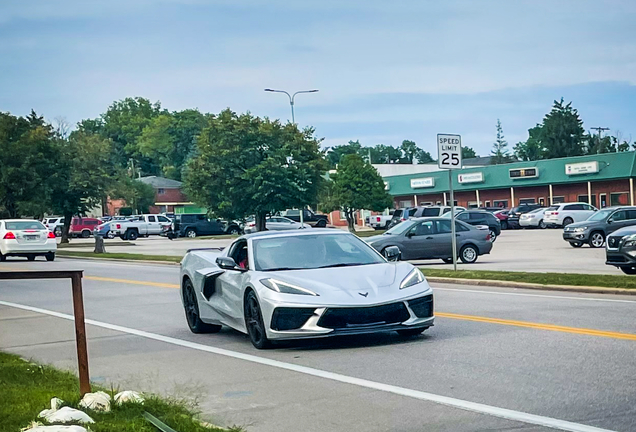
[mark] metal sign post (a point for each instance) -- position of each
(449, 156)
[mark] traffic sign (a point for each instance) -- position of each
(449, 151)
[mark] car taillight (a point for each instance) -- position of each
(118, 226)
(9, 236)
(488, 237)
(554, 213)
(378, 218)
(50, 235)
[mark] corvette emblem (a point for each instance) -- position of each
(364, 294)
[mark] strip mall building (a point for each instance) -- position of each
(606, 178)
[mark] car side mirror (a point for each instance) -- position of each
(228, 263)
(410, 234)
(392, 253)
(609, 221)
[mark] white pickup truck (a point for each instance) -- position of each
(379, 222)
(139, 226)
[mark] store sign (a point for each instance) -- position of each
(422, 182)
(476, 177)
(520, 173)
(581, 168)
(387, 186)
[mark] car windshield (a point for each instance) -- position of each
(601, 215)
(24, 225)
(540, 209)
(433, 211)
(399, 228)
(306, 252)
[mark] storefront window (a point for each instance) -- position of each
(558, 200)
(501, 203)
(526, 201)
(619, 198)
(408, 203)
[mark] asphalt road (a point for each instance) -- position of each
(519, 250)
(495, 347)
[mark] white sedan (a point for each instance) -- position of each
(276, 223)
(26, 238)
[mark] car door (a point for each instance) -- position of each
(443, 246)
(153, 225)
(416, 243)
(464, 217)
(275, 224)
(231, 284)
(619, 219)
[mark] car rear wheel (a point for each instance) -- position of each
(50, 256)
(597, 240)
(576, 244)
(3, 258)
(567, 221)
(190, 233)
(629, 270)
(321, 223)
(86, 234)
(411, 332)
(254, 322)
(131, 235)
(110, 235)
(192, 311)
(504, 225)
(542, 224)
(58, 232)
(468, 254)
(493, 236)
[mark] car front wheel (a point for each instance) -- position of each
(191, 233)
(411, 332)
(597, 240)
(254, 322)
(629, 270)
(542, 224)
(468, 254)
(576, 244)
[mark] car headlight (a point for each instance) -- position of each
(630, 241)
(580, 229)
(413, 278)
(285, 288)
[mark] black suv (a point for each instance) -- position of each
(482, 217)
(402, 214)
(192, 225)
(515, 212)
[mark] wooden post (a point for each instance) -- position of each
(445, 202)
(477, 196)
(512, 197)
(551, 199)
(80, 334)
(631, 191)
(589, 193)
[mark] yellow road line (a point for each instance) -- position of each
(134, 282)
(539, 326)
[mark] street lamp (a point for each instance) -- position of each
(291, 104)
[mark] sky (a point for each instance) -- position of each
(386, 71)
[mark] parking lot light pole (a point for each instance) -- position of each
(291, 104)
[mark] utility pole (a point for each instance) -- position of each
(600, 130)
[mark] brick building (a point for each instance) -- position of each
(601, 180)
(168, 194)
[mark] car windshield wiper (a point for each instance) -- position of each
(343, 265)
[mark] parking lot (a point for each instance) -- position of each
(518, 250)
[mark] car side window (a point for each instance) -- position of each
(412, 212)
(631, 214)
(619, 215)
(463, 216)
(424, 228)
(201, 217)
(163, 219)
(475, 216)
(152, 219)
(588, 207)
(443, 226)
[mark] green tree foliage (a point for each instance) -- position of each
(531, 149)
(157, 144)
(334, 154)
(407, 153)
(25, 166)
(138, 195)
(562, 133)
(468, 153)
(499, 151)
(355, 186)
(246, 165)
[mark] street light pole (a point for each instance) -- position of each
(291, 104)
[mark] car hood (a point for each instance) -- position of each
(586, 223)
(624, 231)
(376, 238)
(367, 284)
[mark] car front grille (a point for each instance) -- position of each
(341, 318)
(616, 258)
(423, 306)
(290, 318)
(613, 242)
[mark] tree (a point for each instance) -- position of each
(468, 153)
(157, 144)
(385, 154)
(423, 157)
(246, 165)
(355, 186)
(186, 127)
(409, 151)
(562, 133)
(139, 196)
(82, 175)
(334, 154)
(532, 148)
(499, 151)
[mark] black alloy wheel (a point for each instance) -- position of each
(192, 311)
(131, 235)
(234, 231)
(629, 270)
(411, 332)
(86, 234)
(254, 322)
(321, 223)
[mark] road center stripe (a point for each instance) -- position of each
(129, 281)
(415, 394)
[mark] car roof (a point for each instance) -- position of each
(295, 233)
(20, 220)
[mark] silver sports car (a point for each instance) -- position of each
(303, 284)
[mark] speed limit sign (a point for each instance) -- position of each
(449, 151)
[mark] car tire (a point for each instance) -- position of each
(597, 239)
(542, 224)
(31, 257)
(447, 260)
(3, 258)
(493, 236)
(131, 235)
(234, 230)
(576, 244)
(110, 235)
(321, 223)
(567, 221)
(58, 232)
(190, 233)
(86, 234)
(50, 256)
(468, 254)
(192, 311)
(411, 332)
(254, 322)
(629, 270)
(504, 225)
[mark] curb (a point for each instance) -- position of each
(118, 260)
(525, 285)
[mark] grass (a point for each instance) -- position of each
(572, 279)
(127, 256)
(369, 233)
(91, 245)
(27, 388)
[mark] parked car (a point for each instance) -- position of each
(515, 213)
(309, 217)
(300, 284)
(54, 224)
(502, 215)
(491, 209)
(193, 225)
(565, 214)
(534, 218)
(430, 238)
(379, 222)
(276, 223)
(401, 214)
(596, 228)
(104, 230)
(480, 217)
(435, 211)
(26, 238)
(139, 226)
(82, 227)
(620, 249)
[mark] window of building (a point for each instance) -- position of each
(542, 202)
(472, 204)
(527, 201)
(501, 203)
(603, 199)
(407, 203)
(558, 199)
(619, 198)
(487, 204)
(161, 191)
